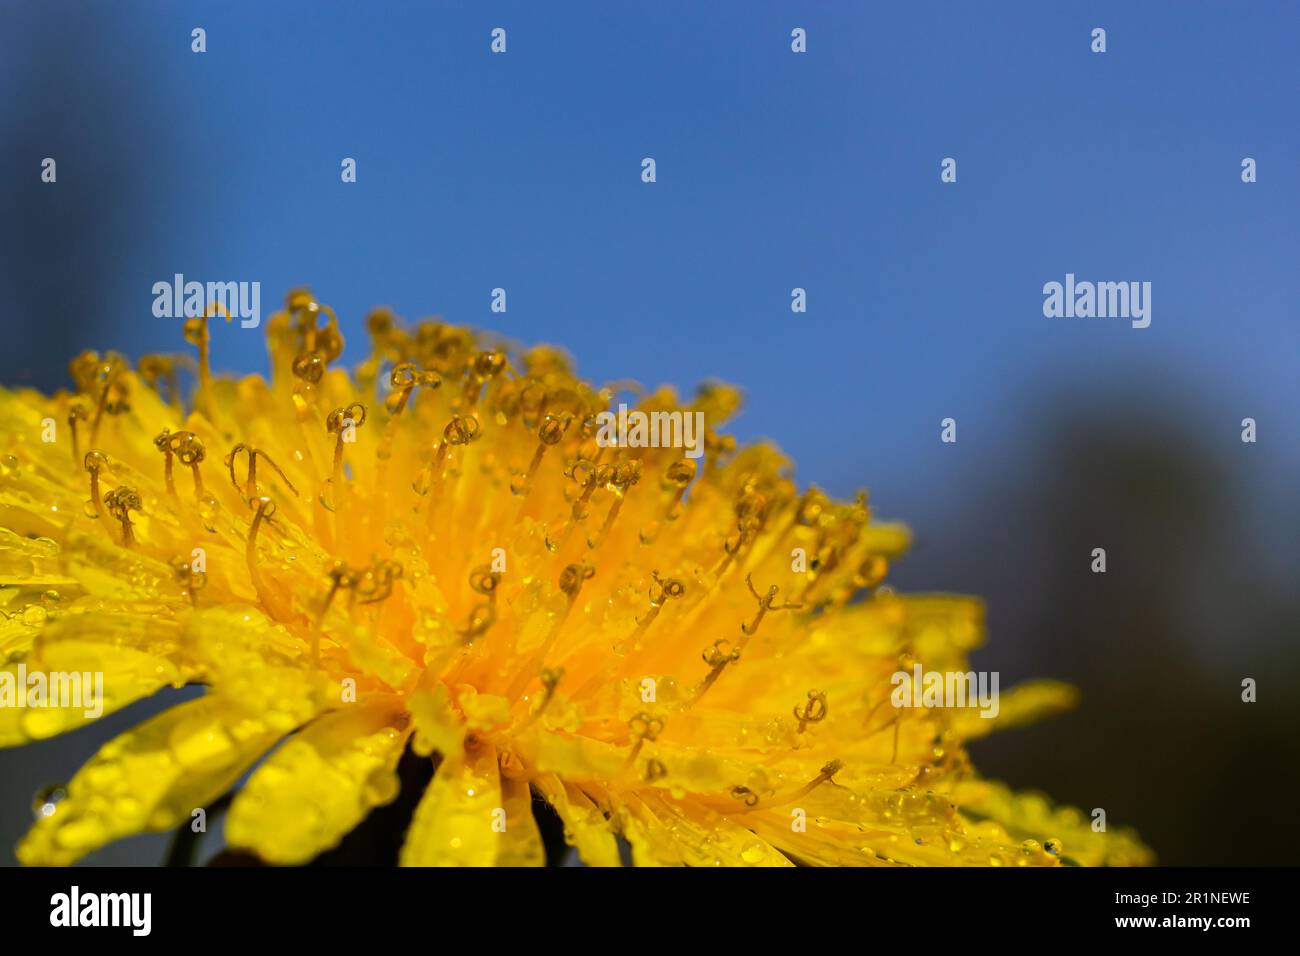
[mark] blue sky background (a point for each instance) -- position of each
(775, 170)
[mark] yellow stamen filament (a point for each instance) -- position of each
(341, 422)
(625, 476)
(75, 414)
(341, 577)
(550, 678)
(163, 444)
(764, 605)
(751, 799)
(189, 451)
(458, 431)
(250, 479)
(660, 592)
(100, 403)
(483, 580)
(404, 379)
(570, 583)
(191, 581)
(676, 479)
(95, 462)
(486, 366)
(265, 510)
(718, 656)
(550, 433)
(196, 333)
(644, 727)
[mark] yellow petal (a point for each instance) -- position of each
(111, 678)
(319, 784)
(151, 778)
(1027, 703)
(454, 823)
(521, 843)
(585, 826)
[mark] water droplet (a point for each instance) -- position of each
(208, 510)
(33, 615)
(754, 853)
(47, 799)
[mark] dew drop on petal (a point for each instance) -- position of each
(47, 799)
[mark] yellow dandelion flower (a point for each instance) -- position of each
(437, 550)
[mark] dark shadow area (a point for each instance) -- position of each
(1159, 644)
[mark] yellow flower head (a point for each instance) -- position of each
(442, 549)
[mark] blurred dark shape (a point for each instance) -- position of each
(1159, 644)
(58, 255)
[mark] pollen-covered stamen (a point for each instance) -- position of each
(765, 604)
(119, 503)
(95, 462)
(249, 490)
(812, 712)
